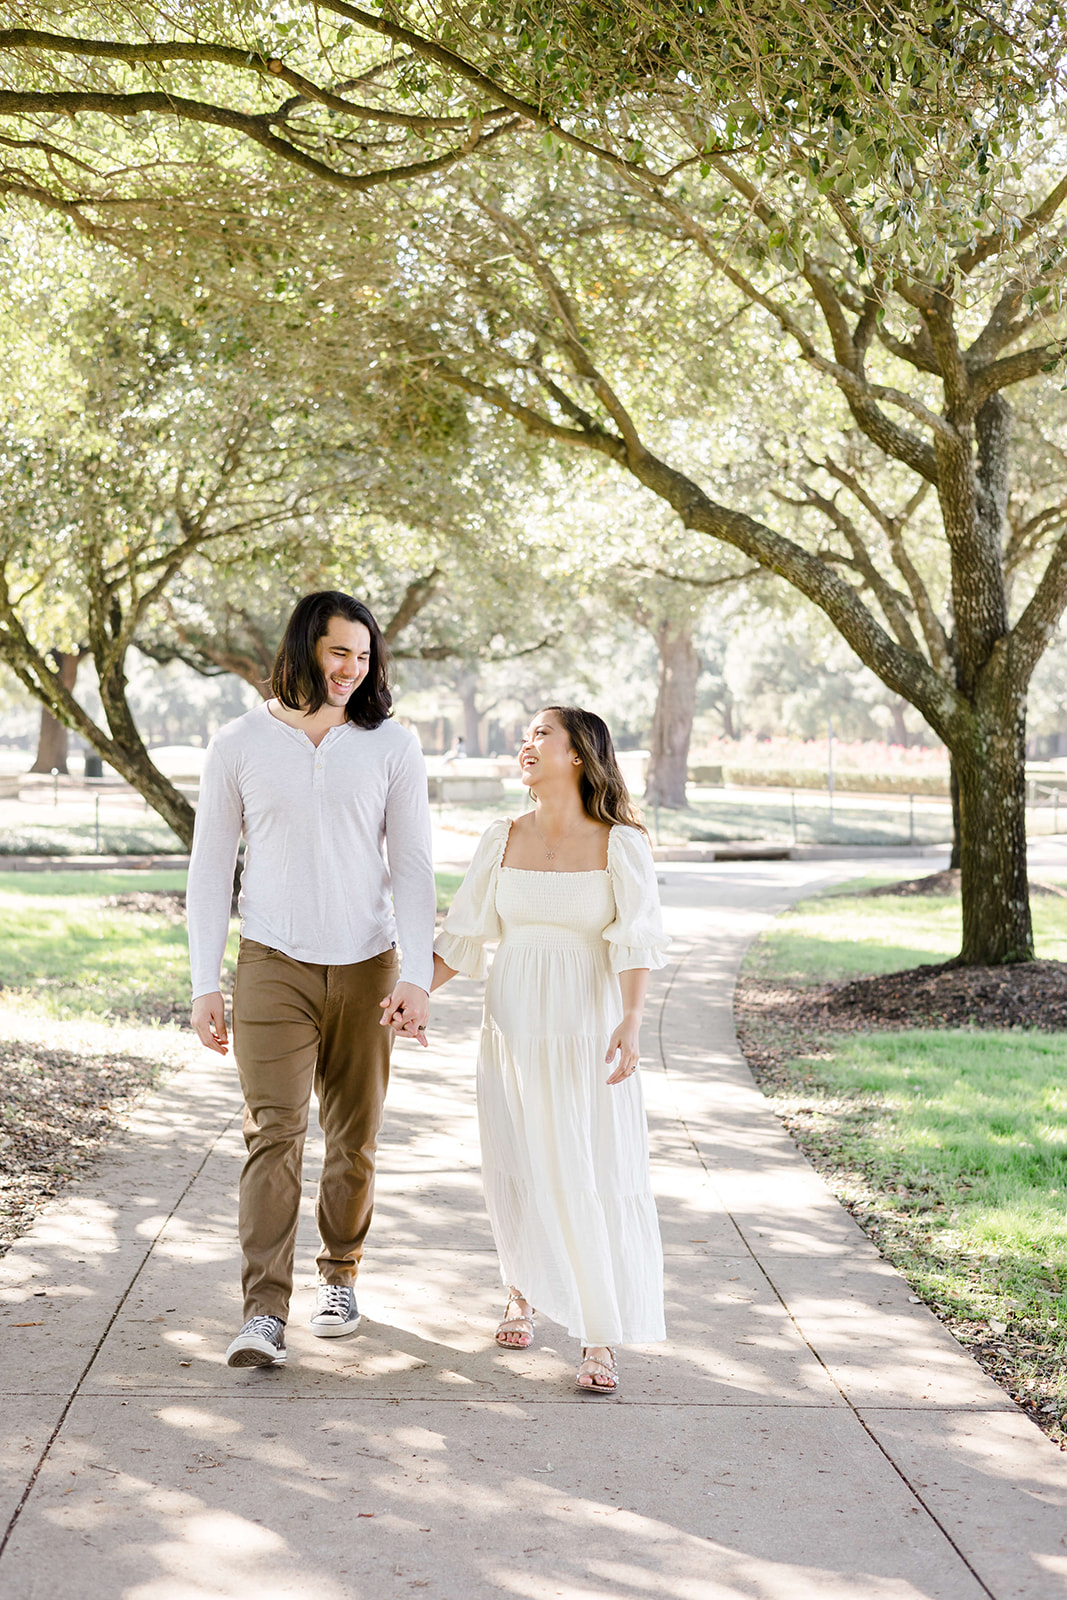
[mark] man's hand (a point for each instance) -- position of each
(209, 1022)
(407, 1011)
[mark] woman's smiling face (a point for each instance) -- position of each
(546, 751)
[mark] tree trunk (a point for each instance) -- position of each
(900, 731)
(472, 717)
(992, 788)
(54, 736)
(672, 722)
(954, 791)
(130, 758)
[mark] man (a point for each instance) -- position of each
(317, 779)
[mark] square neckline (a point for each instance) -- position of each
(550, 872)
(555, 872)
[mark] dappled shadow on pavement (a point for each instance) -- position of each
(417, 1456)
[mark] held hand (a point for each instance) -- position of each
(407, 1011)
(208, 1021)
(626, 1044)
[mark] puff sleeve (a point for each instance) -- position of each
(636, 936)
(472, 920)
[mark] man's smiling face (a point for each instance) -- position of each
(344, 655)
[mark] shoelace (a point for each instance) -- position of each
(262, 1327)
(336, 1298)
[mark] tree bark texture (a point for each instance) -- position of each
(967, 675)
(672, 721)
(54, 736)
(472, 717)
(122, 748)
(954, 791)
(992, 846)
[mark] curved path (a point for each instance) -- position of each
(810, 1431)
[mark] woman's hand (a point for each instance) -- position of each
(407, 1011)
(626, 1044)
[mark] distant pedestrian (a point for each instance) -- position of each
(456, 752)
(569, 890)
(318, 779)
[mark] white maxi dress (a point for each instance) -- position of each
(564, 1156)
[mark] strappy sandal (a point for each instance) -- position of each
(523, 1326)
(605, 1374)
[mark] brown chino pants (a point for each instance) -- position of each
(298, 1026)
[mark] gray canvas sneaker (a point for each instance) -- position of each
(336, 1312)
(260, 1343)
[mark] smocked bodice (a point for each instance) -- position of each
(554, 910)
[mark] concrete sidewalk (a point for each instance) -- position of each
(809, 1431)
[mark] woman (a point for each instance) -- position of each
(570, 892)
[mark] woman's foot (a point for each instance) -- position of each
(516, 1332)
(598, 1372)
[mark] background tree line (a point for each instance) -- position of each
(779, 267)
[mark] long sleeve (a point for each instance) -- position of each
(408, 843)
(636, 936)
(472, 920)
(216, 836)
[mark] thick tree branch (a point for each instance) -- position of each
(691, 581)
(1028, 640)
(430, 50)
(890, 601)
(1006, 238)
(255, 128)
(415, 596)
(860, 396)
(918, 351)
(904, 671)
(1015, 369)
(595, 438)
(71, 209)
(1000, 327)
(933, 632)
(563, 308)
(245, 61)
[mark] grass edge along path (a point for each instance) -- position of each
(94, 997)
(948, 1144)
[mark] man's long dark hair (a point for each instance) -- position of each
(298, 680)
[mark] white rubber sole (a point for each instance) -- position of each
(254, 1353)
(334, 1330)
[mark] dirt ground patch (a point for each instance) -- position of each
(57, 1112)
(946, 882)
(1032, 995)
(168, 903)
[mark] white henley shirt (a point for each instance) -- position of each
(315, 819)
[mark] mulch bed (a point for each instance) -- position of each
(1033, 995)
(779, 1023)
(168, 903)
(57, 1111)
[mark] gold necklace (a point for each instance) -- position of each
(551, 854)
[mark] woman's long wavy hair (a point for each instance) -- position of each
(602, 786)
(298, 680)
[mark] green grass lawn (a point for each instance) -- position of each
(843, 935)
(950, 1145)
(717, 815)
(65, 953)
(146, 835)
